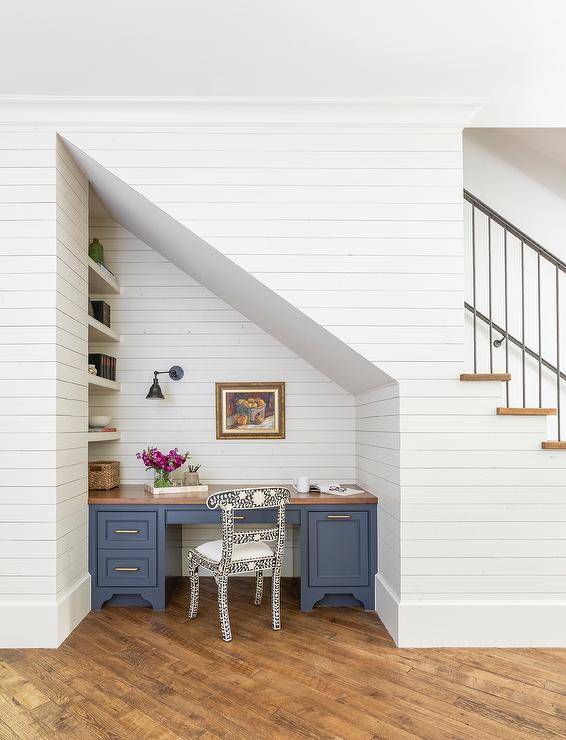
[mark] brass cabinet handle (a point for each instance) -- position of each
(126, 570)
(126, 531)
(239, 516)
(338, 516)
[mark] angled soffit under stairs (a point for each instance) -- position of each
(229, 281)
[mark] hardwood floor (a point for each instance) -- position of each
(135, 673)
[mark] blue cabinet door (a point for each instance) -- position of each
(338, 548)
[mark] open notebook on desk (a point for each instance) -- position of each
(335, 489)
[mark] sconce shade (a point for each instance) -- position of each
(155, 390)
(175, 373)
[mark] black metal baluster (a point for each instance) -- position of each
(506, 313)
(539, 336)
(558, 350)
(489, 294)
(474, 287)
(488, 320)
(523, 321)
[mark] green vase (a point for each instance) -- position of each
(162, 479)
(96, 251)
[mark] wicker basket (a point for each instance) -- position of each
(103, 475)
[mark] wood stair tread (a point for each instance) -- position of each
(553, 444)
(486, 376)
(520, 411)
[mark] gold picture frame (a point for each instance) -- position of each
(250, 410)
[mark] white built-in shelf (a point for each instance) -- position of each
(103, 436)
(97, 383)
(99, 280)
(99, 332)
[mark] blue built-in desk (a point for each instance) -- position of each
(133, 557)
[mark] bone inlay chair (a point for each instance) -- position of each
(241, 551)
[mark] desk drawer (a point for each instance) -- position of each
(208, 516)
(126, 568)
(126, 529)
(338, 548)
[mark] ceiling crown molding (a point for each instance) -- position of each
(453, 112)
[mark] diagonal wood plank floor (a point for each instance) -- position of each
(331, 673)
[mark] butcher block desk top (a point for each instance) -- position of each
(135, 494)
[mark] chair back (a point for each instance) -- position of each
(230, 502)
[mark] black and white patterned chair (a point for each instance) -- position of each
(242, 551)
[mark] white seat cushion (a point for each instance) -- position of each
(247, 551)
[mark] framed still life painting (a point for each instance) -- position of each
(250, 410)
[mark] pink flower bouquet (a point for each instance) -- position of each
(164, 463)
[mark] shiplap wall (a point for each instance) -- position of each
(363, 231)
(165, 318)
(481, 518)
(359, 227)
(44, 587)
(482, 521)
(378, 443)
(72, 388)
(472, 535)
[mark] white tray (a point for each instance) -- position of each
(175, 489)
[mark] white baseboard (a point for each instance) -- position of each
(387, 606)
(430, 624)
(72, 607)
(481, 624)
(43, 622)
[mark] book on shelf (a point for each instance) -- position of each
(104, 364)
(101, 312)
(102, 429)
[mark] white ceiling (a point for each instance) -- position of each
(511, 52)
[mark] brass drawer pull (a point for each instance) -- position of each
(126, 531)
(239, 517)
(126, 570)
(338, 516)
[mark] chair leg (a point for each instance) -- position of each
(276, 598)
(258, 586)
(222, 583)
(194, 580)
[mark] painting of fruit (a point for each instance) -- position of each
(250, 410)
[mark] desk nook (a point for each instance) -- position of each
(133, 559)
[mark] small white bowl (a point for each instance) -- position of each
(99, 421)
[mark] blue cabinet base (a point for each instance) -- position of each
(338, 553)
(109, 598)
(320, 597)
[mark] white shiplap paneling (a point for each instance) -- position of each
(375, 212)
(187, 325)
(44, 586)
(380, 213)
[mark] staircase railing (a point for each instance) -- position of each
(523, 288)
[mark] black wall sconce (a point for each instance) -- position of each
(175, 373)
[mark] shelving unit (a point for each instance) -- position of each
(99, 332)
(103, 436)
(101, 283)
